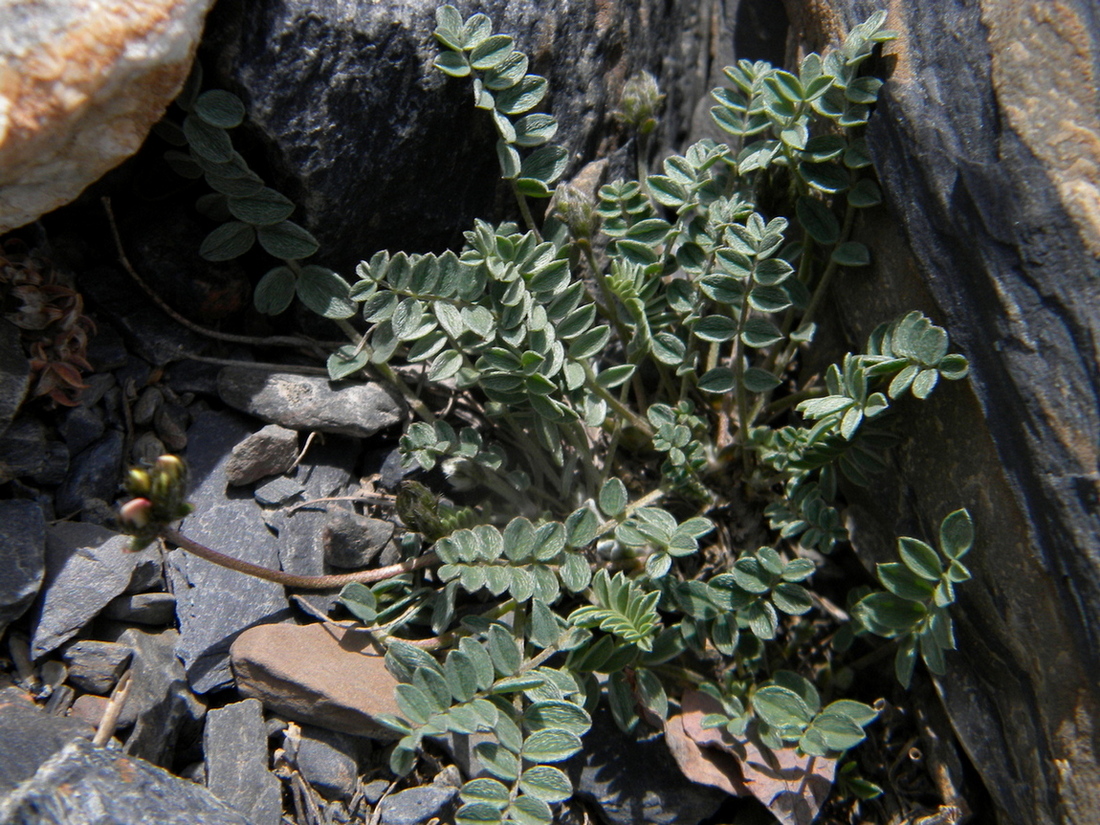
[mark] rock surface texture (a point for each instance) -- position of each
(987, 142)
(406, 161)
(81, 84)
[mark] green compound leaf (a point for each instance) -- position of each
(613, 498)
(547, 783)
(287, 240)
(545, 746)
(760, 332)
(325, 292)
(347, 360)
(206, 141)
(817, 220)
(507, 73)
(718, 381)
(851, 253)
(535, 129)
(262, 208)
(530, 810)
(275, 291)
(228, 241)
(491, 51)
(523, 96)
(920, 558)
(220, 109)
(781, 707)
(715, 328)
(451, 63)
(557, 715)
(478, 813)
(956, 534)
(545, 164)
(759, 380)
(497, 760)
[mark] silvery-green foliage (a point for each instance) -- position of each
(246, 209)
(623, 374)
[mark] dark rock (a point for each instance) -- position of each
(634, 779)
(393, 472)
(214, 604)
(149, 331)
(306, 402)
(146, 406)
(353, 541)
(146, 449)
(328, 471)
(26, 451)
(86, 566)
(23, 539)
(278, 491)
(235, 747)
(373, 790)
(82, 427)
(171, 422)
(85, 785)
(98, 384)
(416, 805)
(193, 376)
(377, 69)
(148, 574)
(134, 374)
(985, 138)
(29, 736)
(96, 473)
(157, 609)
(15, 373)
(269, 451)
(106, 350)
(96, 666)
(329, 761)
(160, 706)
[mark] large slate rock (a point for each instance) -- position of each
(23, 551)
(987, 142)
(356, 122)
(214, 604)
(86, 567)
(85, 785)
(29, 736)
(235, 747)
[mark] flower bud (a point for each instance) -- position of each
(576, 211)
(137, 482)
(171, 466)
(640, 101)
(136, 512)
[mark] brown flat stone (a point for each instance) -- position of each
(323, 675)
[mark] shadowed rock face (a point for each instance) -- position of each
(987, 143)
(382, 151)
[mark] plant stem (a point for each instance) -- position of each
(525, 211)
(294, 580)
(614, 403)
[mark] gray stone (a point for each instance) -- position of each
(95, 473)
(96, 666)
(106, 351)
(634, 779)
(278, 491)
(269, 451)
(329, 761)
(171, 422)
(328, 471)
(146, 406)
(373, 790)
(160, 706)
(15, 373)
(86, 566)
(986, 140)
(85, 785)
(29, 736)
(377, 69)
(145, 326)
(82, 427)
(235, 747)
(416, 805)
(23, 553)
(215, 604)
(157, 609)
(306, 402)
(146, 449)
(26, 451)
(353, 541)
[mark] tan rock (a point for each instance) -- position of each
(323, 675)
(81, 84)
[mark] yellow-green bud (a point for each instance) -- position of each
(138, 482)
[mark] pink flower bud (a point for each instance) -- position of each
(136, 512)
